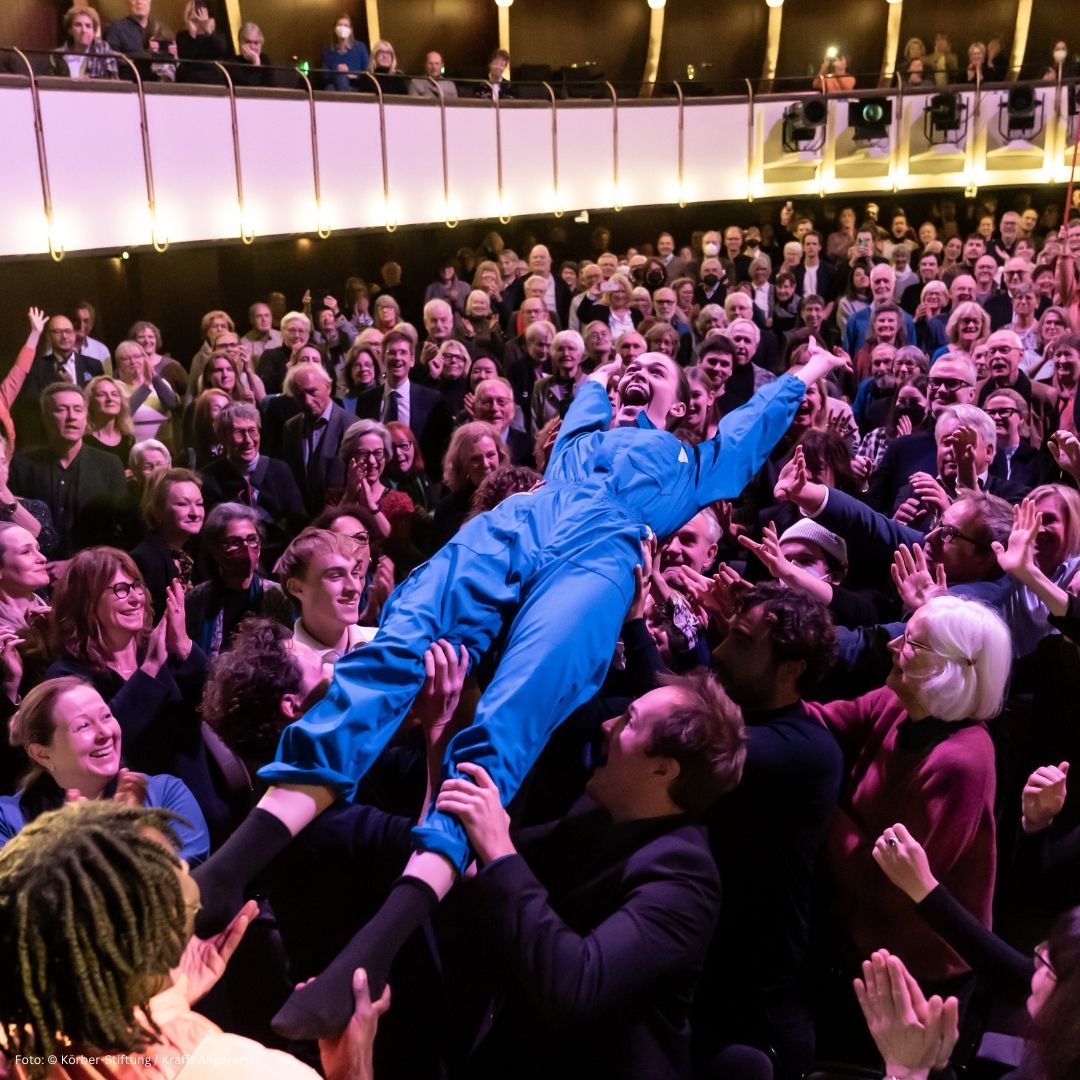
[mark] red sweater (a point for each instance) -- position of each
(944, 794)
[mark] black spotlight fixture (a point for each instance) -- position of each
(804, 125)
(1020, 114)
(945, 120)
(870, 118)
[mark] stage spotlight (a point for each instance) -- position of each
(945, 120)
(871, 119)
(804, 125)
(1020, 114)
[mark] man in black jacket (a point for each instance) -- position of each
(311, 441)
(83, 487)
(598, 926)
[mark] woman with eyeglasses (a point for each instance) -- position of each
(918, 751)
(1053, 324)
(968, 325)
(101, 630)
(232, 537)
(407, 471)
(73, 743)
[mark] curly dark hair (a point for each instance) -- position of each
(509, 480)
(242, 697)
(802, 629)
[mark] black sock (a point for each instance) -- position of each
(225, 876)
(323, 1008)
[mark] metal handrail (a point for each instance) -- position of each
(382, 143)
(148, 166)
(321, 229)
(616, 205)
(558, 212)
(504, 217)
(749, 141)
(56, 250)
(247, 234)
(445, 154)
(682, 175)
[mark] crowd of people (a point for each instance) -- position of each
(190, 53)
(617, 657)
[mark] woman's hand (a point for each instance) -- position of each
(912, 1034)
(642, 580)
(361, 490)
(131, 788)
(903, 860)
(349, 1055)
(204, 960)
(477, 806)
(793, 477)
(11, 664)
(1043, 797)
(1064, 447)
(379, 592)
(903, 426)
(177, 641)
(38, 320)
(768, 551)
(912, 578)
(1018, 559)
(156, 650)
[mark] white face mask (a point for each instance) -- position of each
(342, 32)
(712, 249)
(1060, 56)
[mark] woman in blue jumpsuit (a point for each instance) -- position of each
(558, 564)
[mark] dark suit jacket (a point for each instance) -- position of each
(329, 470)
(99, 497)
(26, 409)
(430, 420)
(909, 454)
(520, 447)
(600, 929)
(826, 281)
(1029, 468)
(278, 494)
(513, 297)
(156, 564)
(271, 366)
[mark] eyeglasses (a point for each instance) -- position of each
(361, 538)
(123, 589)
(918, 646)
(1002, 412)
(368, 455)
(950, 385)
(950, 533)
(406, 445)
(233, 544)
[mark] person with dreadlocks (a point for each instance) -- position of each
(101, 969)
(554, 569)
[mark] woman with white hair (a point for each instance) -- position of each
(918, 751)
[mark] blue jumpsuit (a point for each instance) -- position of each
(558, 565)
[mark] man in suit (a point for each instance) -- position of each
(311, 440)
(1004, 353)
(815, 276)
(599, 923)
(245, 475)
(422, 410)
(952, 382)
(83, 487)
(61, 363)
(493, 401)
(557, 295)
(674, 267)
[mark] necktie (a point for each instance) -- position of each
(391, 413)
(62, 373)
(248, 494)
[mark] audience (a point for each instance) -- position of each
(850, 760)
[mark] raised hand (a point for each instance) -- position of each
(768, 551)
(903, 860)
(1019, 558)
(1043, 796)
(177, 641)
(903, 426)
(930, 493)
(445, 670)
(203, 960)
(964, 441)
(908, 511)
(912, 578)
(38, 320)
(131, 788)
(724, 598)
(793, 477)
(349, 1056)
(1064, 446)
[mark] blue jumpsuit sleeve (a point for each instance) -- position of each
(729, 460)
(589, 413)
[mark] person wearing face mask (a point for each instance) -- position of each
(907, 414)
(343, 57)
(712, 284)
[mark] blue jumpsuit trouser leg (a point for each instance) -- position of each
(558, 651)
(459, 595)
